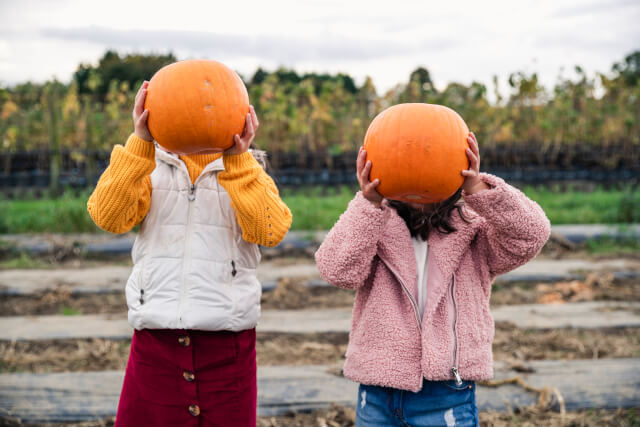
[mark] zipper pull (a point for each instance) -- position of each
(141, 296)
(192, 193)
(233, 268)
(455, 373)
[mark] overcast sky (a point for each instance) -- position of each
(455, 40)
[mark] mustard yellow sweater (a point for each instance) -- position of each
(122, 197)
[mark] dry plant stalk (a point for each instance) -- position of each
(545, 394)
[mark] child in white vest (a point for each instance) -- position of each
(193, 295)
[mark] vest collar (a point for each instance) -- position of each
(174, 160)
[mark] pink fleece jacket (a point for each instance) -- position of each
(370, 250)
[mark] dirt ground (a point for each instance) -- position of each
(340, 416)
(288, 294)
(512, 345)
(596, 287)
(294, 295)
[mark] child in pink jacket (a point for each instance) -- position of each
(421, 330)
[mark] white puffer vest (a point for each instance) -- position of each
(192, 269)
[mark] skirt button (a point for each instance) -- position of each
(189, 376)
(184, 340)
(194, 410)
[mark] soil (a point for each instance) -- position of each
(61, 301)
(289, 294)
(77, 355)
(596, 287)
(512, 345)
(302, 349)
(516, 345)
(340, 416)
(294, 295)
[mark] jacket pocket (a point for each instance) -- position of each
(135, 289)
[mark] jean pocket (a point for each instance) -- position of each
(464, 385)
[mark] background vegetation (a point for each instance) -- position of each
(330, 113)
(319, 208)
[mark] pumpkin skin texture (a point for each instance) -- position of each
(417, 151)
(196, 106)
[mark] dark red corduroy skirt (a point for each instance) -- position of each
(190, 378)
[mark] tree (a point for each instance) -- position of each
(133, 69)
(629, 70)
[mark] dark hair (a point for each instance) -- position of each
(439, 218)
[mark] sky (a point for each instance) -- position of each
(457, 41)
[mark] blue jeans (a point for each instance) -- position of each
(439, 403)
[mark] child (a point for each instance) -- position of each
(421, 331)
(193, 295)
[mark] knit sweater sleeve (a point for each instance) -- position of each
(261, 213)
(122, 197)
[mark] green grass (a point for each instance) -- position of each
(311, 211)
(597, 207)
(22, 261)
(69, 311)
(318, 209)
(67, 214)
(613, 246)
(314, 212)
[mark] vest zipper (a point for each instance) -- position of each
(454, 369)
(187, 252)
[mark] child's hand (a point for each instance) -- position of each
(140, 115)
(368, 188)
(243, 142)
(472, 182)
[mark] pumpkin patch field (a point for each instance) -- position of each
(567, 324)
(67, 285)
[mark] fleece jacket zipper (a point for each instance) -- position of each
(454, 369)
(406, 291)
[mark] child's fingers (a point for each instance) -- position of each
(142, 119)
(365, 172)
(360, 161)
(370, 190)
(473, 144)
(254, 117)
(142, 90)
(469, 173)
(139, 103)
(473, 159)
(249, 129)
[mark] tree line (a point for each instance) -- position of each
(329, 113)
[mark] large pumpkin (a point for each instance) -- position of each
(417, 152)
(196, 105)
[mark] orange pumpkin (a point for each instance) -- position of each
(417, 151)
(196, 105)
